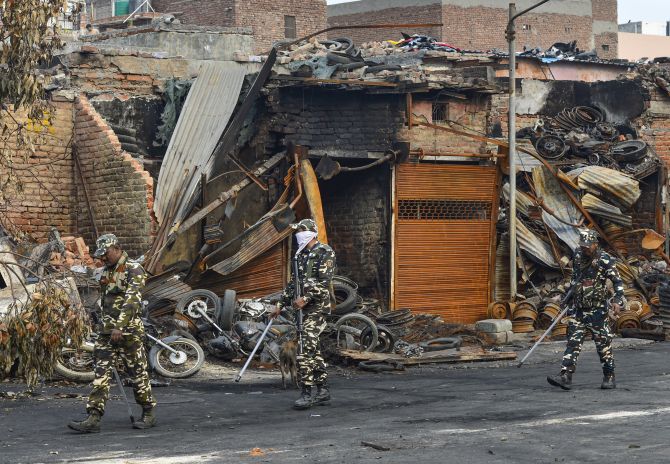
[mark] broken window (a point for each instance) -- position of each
(290, 30)
(440, 112)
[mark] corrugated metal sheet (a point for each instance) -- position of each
(621, 188)
(534, 246)
(523, 201)
(552, 195)
(604, 210)
(165, 288)
(262, 276)
(442, 247)
(203, 119)
(263, 237)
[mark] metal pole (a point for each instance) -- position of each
(511, 133)
(510, 33)
(251, 356)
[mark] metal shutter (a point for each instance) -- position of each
(443, 239)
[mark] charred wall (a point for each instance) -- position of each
(358, 219)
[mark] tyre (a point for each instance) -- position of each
(76, 364)
(350, 328)
(380, 366)
(345, 298)
(224, 317)
(386, 339)
(444, 343)
(202, 299)
(630, 150)
(172, 366)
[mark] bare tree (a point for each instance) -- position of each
(29, 35)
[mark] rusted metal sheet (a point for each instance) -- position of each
(537, 248)
(549, 191)
(443, 235)
(262, 276)
(523, 201)
(165, 288)
(263, 237)
(313, 197)
(622, 188)
(604, 210)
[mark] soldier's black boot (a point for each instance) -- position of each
(562, 380)
(147, 421)
(608, 381)
(305, 401)
(322, 395)
(89, 425)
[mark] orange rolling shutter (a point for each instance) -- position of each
(444, 231)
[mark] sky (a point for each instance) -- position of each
(634, 10)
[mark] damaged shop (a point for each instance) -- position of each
(398, 154)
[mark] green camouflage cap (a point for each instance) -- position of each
(587, 237)
(305, 224)
(103, 243)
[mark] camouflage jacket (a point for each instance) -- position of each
(121, 296)
(315, 273)
(590, 275)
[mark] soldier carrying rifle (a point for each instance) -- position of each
(591, 269)
(308, 293)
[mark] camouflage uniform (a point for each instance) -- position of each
(590, 311)
(121, 310)
(315, 272)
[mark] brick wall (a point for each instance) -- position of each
(200, 12)
(470, 115)
(356, 207)
(121, 192)
(266, 17)
(483, 28)
(413, 15)
(338, 123)
(45, 178)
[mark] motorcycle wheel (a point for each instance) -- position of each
(76, 364)
(352, 326)
(164, 362)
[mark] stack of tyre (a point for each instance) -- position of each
(664, 307)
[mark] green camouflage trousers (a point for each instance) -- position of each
(596, 323)
(131, 351)
(311, 366)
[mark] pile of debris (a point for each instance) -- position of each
(602, 165)
(560, 51)
(388, 60)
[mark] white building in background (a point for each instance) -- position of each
(646, 27)
(644, 39)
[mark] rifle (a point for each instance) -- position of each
(565, 302)
(297, 294)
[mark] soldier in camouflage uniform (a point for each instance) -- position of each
(121, 337)
(316, 265)
(591, 268)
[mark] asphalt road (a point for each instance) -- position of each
(478, 414)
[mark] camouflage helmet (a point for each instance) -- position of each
(587, 237)
(103, 243)
(305, 225)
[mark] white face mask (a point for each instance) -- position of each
(303, 239)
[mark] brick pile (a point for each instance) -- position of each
(77, 253)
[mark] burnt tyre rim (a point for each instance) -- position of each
(550, 147)
(77, 360)
(179, 363)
